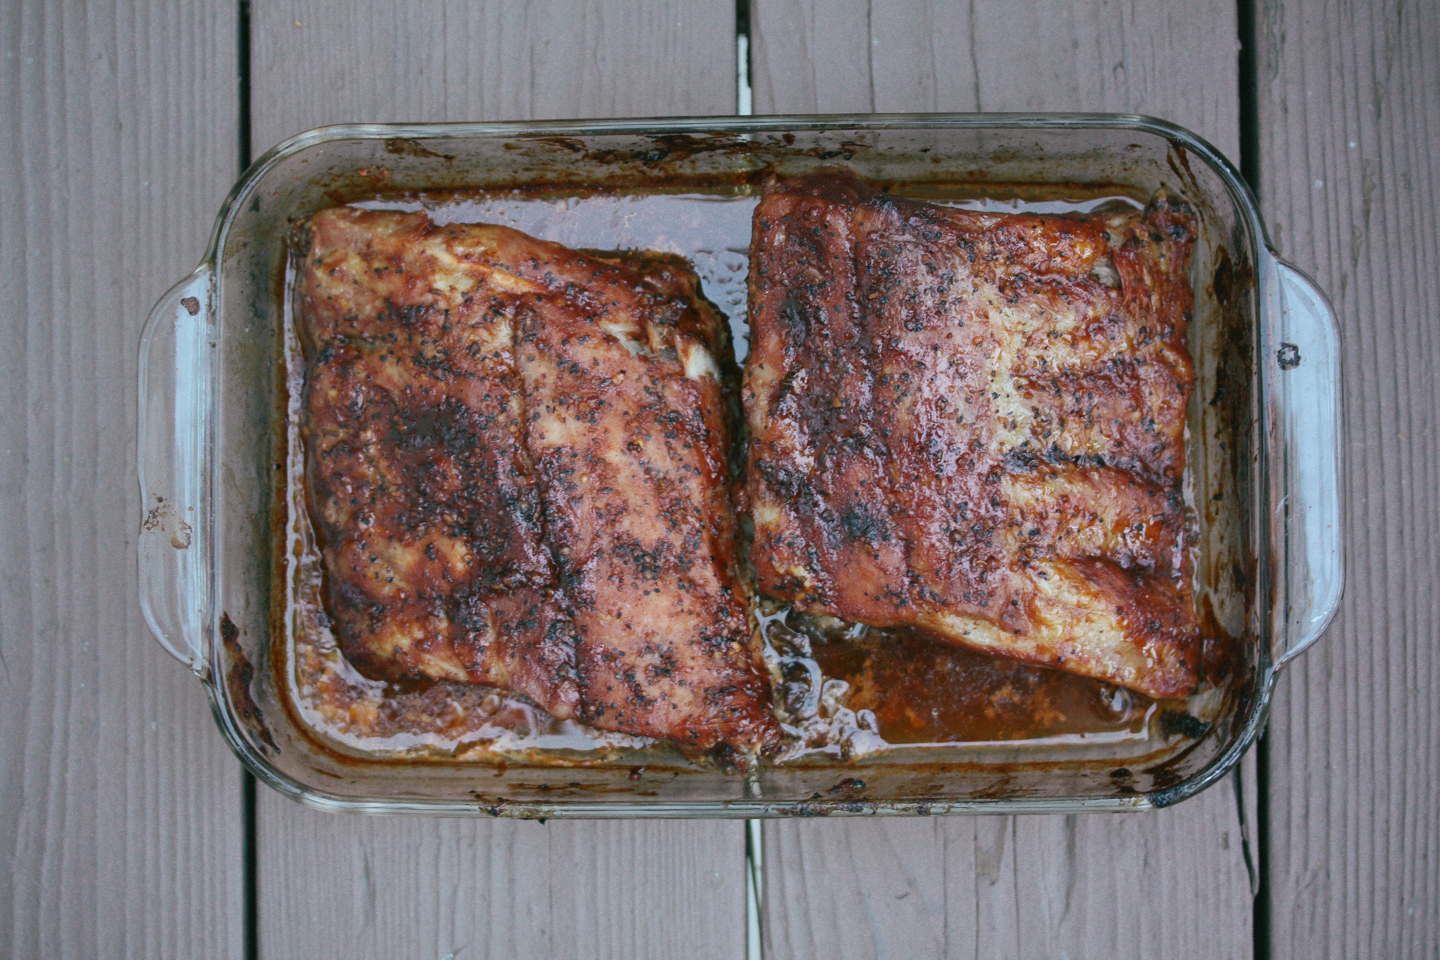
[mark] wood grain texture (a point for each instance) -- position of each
(1035, 886)
(1175, 61)
(1173, 884)
(1349, 100)
(359, 887)
(120, 829)
(450, 60)
(454, 888)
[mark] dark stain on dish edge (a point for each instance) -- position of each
(666, 163)
(405, 147)
(238, 676)
(1231, 407)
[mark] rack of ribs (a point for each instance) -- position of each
(518, 464)
(972, 424)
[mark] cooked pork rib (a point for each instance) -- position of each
(630, 422)
(517, 463)
(973, 424)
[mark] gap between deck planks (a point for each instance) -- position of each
(1175, 881)
(120, 830)
(1349, 103)
(345, 886)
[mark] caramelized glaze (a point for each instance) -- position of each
(972, 425)
(518, 462)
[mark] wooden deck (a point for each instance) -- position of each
(128, 829)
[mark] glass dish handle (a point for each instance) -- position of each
(174, 392)
(1302, 361)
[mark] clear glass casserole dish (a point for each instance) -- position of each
(218, 555)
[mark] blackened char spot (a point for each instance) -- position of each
(794, 316)
(403, 314)
(1021, 460)
(1174, 723)
(860, 524)
(790, 485)
(450, 424)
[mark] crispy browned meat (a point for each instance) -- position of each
(973, 424)
(517, 461)
(631, 422)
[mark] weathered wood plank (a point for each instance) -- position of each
(120, 828)
(352, 887)
(441, 887)
(453, 61)
(1034, 886)
(1349, 107)
(1174, 61)
(1078, 886)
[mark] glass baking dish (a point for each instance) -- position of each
(1262, 433)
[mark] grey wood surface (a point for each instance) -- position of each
(347, 886)
(1014, 887)
(317, 62)
(1034, 886)
(352, 887)
(1349, 101)
(1176, 61)
(120, 826)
